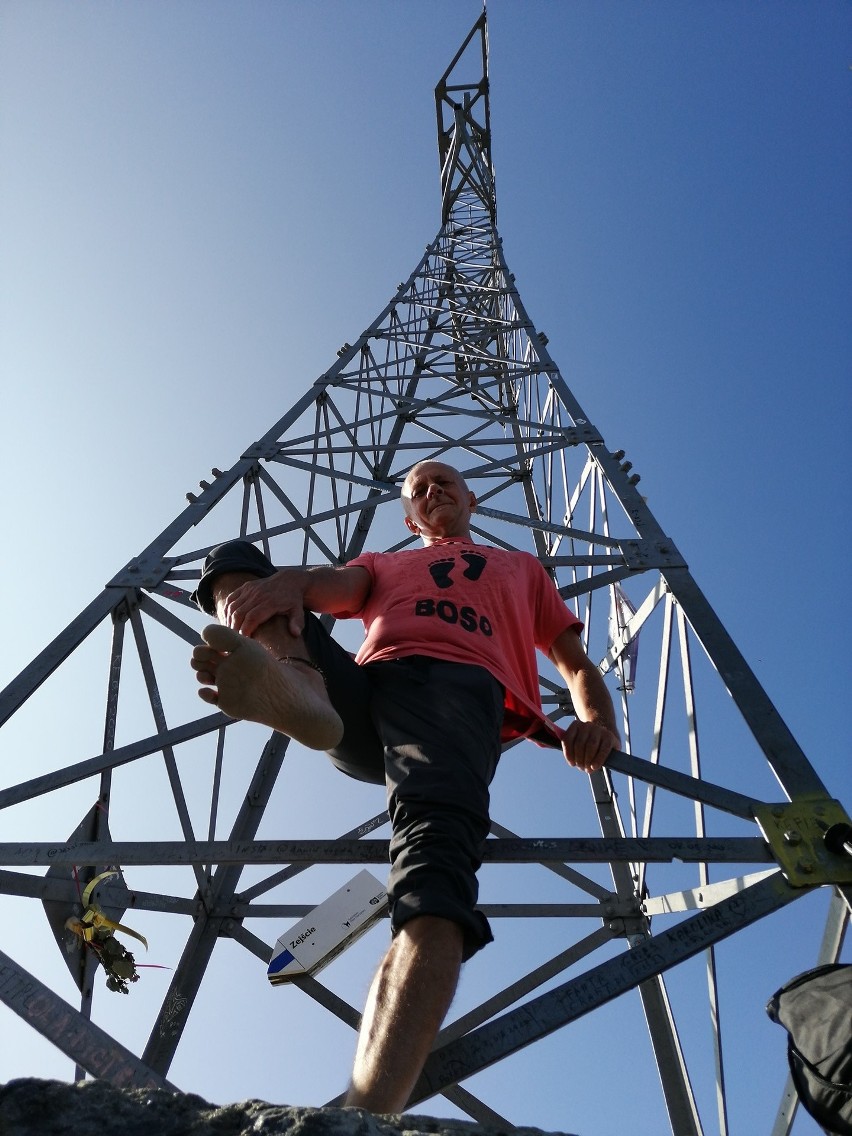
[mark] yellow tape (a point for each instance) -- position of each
(90, 887)
(96, 918)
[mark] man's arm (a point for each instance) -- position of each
(290, 591)
(590, 739)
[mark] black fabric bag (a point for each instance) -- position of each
(816, 1010)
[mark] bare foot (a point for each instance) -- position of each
(245, 681)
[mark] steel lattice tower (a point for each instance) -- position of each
(452, 368)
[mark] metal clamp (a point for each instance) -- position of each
(807, 839)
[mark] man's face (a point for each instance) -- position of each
(437, 502)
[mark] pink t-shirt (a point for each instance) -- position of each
(467, 603)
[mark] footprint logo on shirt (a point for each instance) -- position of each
(441, 570)
(475, 565)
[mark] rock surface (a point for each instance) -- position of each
(32, 1107)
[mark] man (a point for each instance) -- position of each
(445, 675)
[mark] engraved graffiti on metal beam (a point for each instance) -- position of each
(78, 1038)
(615, 909)
(551, 1011)
(265, 885)
(578, 879)
(594, 850)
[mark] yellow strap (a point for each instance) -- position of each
(94, 916)
(98, 919)
(90, 887)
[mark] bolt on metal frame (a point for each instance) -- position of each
(451, 369)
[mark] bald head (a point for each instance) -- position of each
(437, 501)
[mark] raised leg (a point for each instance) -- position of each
(410, 996)
(268, 679)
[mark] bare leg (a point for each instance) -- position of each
(408, 1000)
(246, 678)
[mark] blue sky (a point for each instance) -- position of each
(200, 202)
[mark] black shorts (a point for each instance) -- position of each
(427, 729)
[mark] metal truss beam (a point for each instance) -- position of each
(451, 369)
(582, 850)
(535, 1020)
(87, 1044)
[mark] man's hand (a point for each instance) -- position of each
(588, 741)
(587, 745)
(256, 601)
(292, 591)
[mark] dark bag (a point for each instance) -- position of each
(816, 1010)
